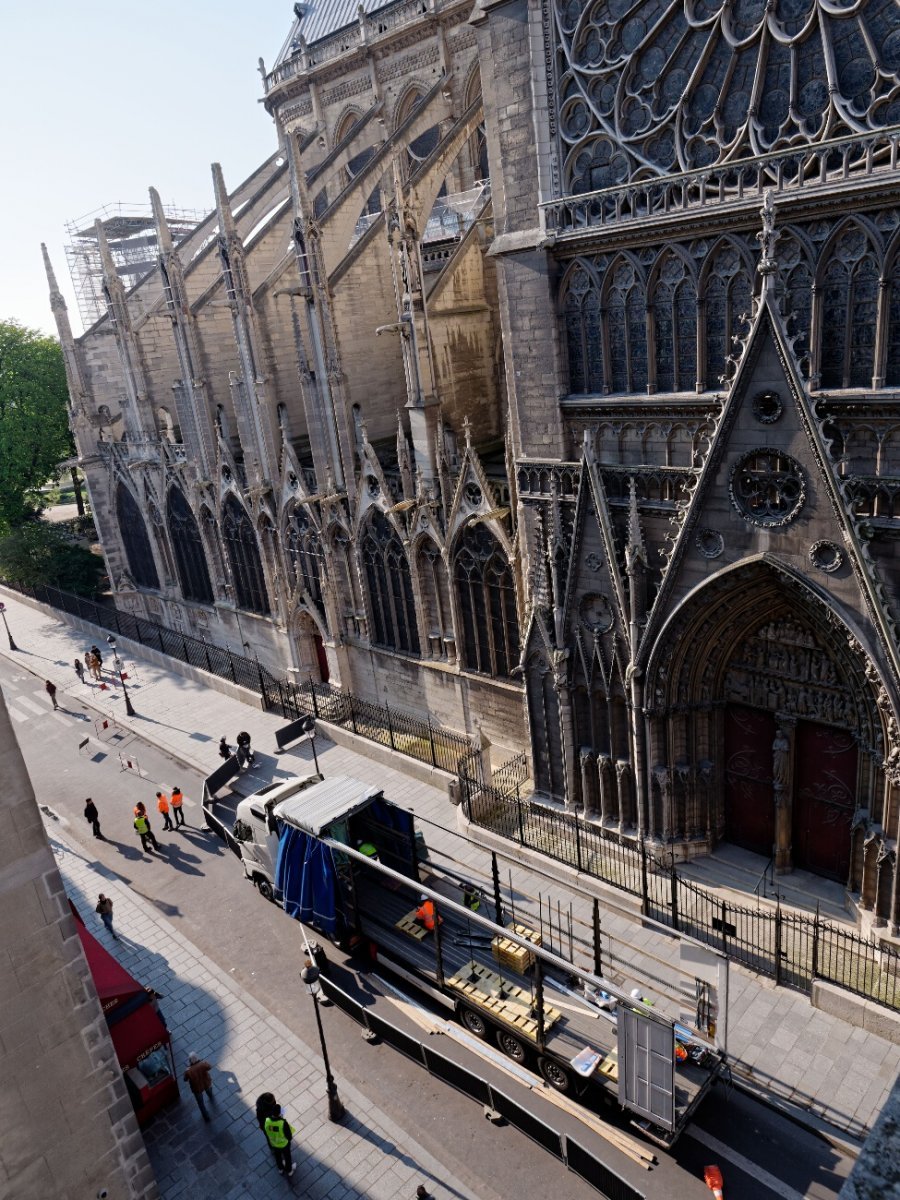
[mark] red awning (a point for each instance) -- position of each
(113, 983)
(138, 1035)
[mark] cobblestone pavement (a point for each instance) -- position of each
(777, 1042)
(366, 1155)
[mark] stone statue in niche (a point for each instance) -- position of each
(781, 753)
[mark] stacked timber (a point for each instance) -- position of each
(510, 954)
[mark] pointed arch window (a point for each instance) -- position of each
(305, 557)
(797, 303)
(190, 557)
(892, 368)
(583, 334)
(487, 603)
(675, 327)
(135, 539)
(546, 734)
(626, 306)
(390, 587)
(849, 313)
(243, 557)
(729, 297)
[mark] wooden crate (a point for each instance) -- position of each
(410, 926)
(513, 1008)
(510, 954)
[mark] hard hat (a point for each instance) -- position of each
(423, 897)
(635, 994)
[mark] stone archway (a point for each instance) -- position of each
(312, 661)
(758, 684)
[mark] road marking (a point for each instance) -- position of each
(63, 720)
(30, 705)
(778, 1186)
(16, 715)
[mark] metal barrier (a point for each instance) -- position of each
(578, 1159)
(791, 948)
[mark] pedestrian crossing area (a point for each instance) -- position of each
(24, 702)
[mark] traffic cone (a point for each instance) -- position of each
(712, 1177)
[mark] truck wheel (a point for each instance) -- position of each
(555, 1075)
(511, 1045)
(474, 1022)
(265, 889)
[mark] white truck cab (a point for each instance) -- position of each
(255, 831)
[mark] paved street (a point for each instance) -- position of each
(777, 1040)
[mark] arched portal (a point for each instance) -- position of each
(758, 683)
(312, 661)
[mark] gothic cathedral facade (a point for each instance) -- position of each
(547, 376)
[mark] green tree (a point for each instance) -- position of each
(34, 428)
(35, 553)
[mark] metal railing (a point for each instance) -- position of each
(793, 949)
(403, 732)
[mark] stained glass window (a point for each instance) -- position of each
(892, 371)
(849, 313)
(190, 557)
(583, 335)
(487, 603)
(675, 326)
(304, 556)
(390, 587)
(243, 557)
(729, 296)
(135, 539)
(626, 306)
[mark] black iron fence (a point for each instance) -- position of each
(791, 948)
(407, 734)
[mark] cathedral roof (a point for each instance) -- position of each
(318, 19)
(650, 88)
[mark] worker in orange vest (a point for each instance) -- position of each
(177, 801)
(425, 913)
(162, 803)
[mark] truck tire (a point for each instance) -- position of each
(264, 888)
(511, 1046)
(555, 1075)
(473, 1021)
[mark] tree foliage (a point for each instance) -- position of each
(36, 553)
(34, 429)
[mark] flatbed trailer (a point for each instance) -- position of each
(500, 983)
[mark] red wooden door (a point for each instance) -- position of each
(824, 799)
(321, 658)
(749, 800)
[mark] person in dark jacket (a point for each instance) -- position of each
(79, 670)
(199, 1077)
(93, 818)
(50, 689)
(224, 753)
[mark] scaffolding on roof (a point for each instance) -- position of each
(131, 235)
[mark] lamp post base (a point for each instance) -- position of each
(335, 1106)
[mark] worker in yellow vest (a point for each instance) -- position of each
(278, 1135)
(145, 833)
(177, 802)
(162, 803)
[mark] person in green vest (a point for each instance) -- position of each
(278, 1134)
(144, 832)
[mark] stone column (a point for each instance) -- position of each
(588, 768)
(782, 786)
(604, 771)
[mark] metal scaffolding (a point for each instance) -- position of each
(131, 234)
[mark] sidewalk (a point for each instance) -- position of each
(251, 1052)
(778, 1044)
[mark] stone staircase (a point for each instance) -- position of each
(737, 875)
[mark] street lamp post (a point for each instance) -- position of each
(309, 728)
(129, 707)
(310, 976)
(12, 644)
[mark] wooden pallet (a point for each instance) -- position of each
(510, 954)
(512, 1008)
(410, 926)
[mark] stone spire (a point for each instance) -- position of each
(767, 237)
(635, 563)
(77, 392)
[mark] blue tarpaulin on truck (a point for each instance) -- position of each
(305, 878)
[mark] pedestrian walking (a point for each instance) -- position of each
(225, 753)
(99, 657)
(50, 689)
(105, 909)
(266, 1106)
(93, 818)
(92, 665)
(278, 1134)
(145, 833)
(177, 805)
(79, 670)
(245, 754)
(199, 1077)
(162, 803)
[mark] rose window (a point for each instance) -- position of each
(768, 487)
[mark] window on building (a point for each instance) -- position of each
(675, 327)
(626, 307)
(583, 335)
(849, 313)
(487, 603)
(390, 587)
(729, 302)
(435, 593)
(190, 557)
(304, 556)
(243, 558)
(135, 539)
